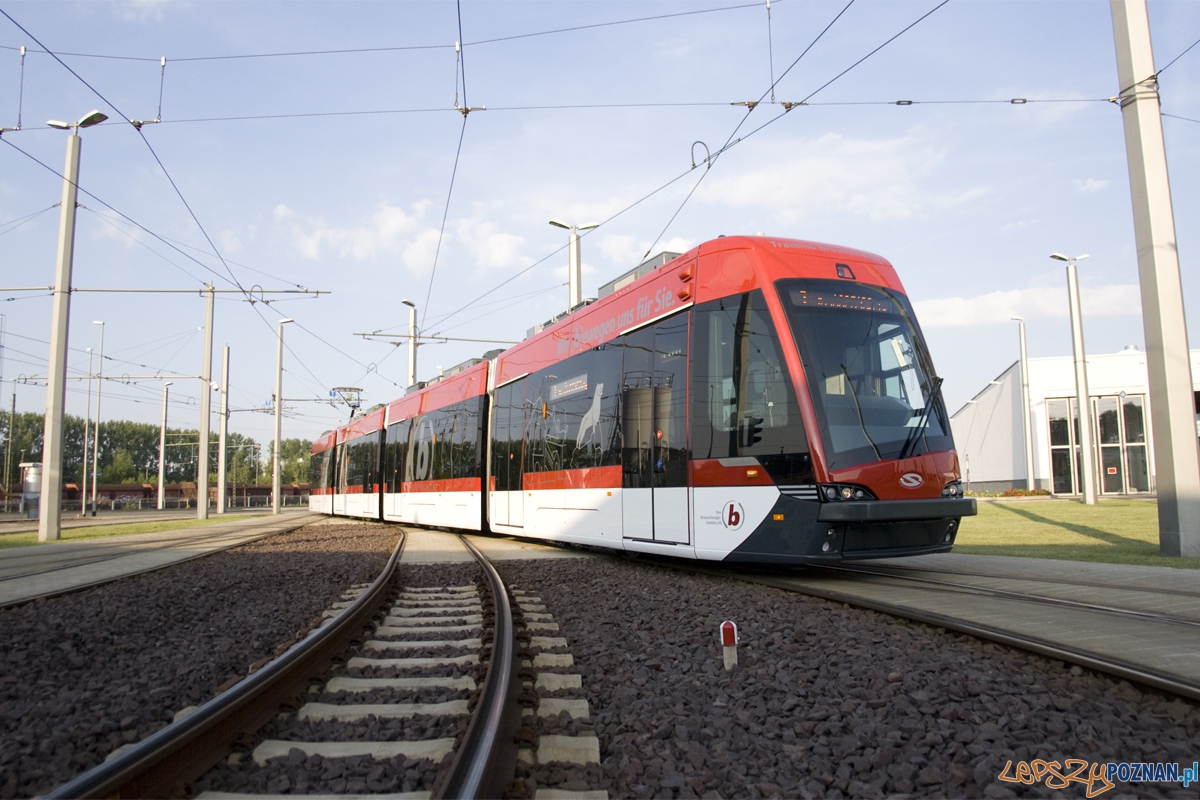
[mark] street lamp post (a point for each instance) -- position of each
(1030, 483)
(162, 452)
(50, 503)
(412, 343)
(96, 445)
(574, 268)
(277, 477)
(1087, 461)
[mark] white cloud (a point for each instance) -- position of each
(1109, 300)
(1091, 185)
(230, 243)
(627, 251)
(391, 231)
(490, 247)
(881, 179)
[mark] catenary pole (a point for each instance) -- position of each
(412, 343)
(50, 503)
(205, 410)
(1030, 482)
(224, 432)
(276, 474)
(162, 451)
(1168, 364)
(96, 443)
(87, 421)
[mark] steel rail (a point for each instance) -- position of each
(186, 749)
(1008, 594)
(485, 762)
(1112, 666)
(898, 570)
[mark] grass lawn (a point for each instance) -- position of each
(124, 529)
(1112, 531)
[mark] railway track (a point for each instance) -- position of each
(388, 624)
(1100, 636)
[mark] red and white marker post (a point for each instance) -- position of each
(729, 641)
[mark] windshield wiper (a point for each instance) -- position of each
(922, 421)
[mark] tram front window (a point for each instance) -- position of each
(868, 372)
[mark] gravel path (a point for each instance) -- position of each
(86, 673)
(827, 701)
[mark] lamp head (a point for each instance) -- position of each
(94, 118)
(169, 383)
(286, 321)
(97, 322)
(589, 226)
(62, 126)
(1082, 257)
(408, 303)
(1059, 257)
(559, 224)
(1017, 319)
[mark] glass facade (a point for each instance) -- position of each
(1120, 425)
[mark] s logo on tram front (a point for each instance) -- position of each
(911, 480)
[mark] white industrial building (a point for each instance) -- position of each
(989, 433)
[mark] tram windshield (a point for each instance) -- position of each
(868, 371)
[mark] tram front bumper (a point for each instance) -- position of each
(897, 510)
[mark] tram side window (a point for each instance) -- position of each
(340, 458)
(318, 471)
(362, 464)
(743, 402)
(573, 412)
(498, 432)
(508, 424)
(394, 453)
(466, 457)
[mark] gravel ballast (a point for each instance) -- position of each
(826, 701)
(86, 673)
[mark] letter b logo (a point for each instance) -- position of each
(732, 516)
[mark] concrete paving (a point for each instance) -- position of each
(37, 571)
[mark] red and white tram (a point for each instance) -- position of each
(754, 399)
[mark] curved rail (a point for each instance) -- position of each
(486, 759)
(185, 749)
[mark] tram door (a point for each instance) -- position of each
(508, 425)
(653, 415)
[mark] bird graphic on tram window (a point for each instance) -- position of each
(589, 426)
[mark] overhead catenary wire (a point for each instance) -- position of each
(749, 110)
(668, 183)
(461, 67)
(138, 128)
(402, 48)
(809, 97)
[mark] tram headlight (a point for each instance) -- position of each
(953, 489)
(839, 492)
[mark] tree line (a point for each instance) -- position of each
(129, 452)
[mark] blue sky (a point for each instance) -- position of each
(966, 199)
